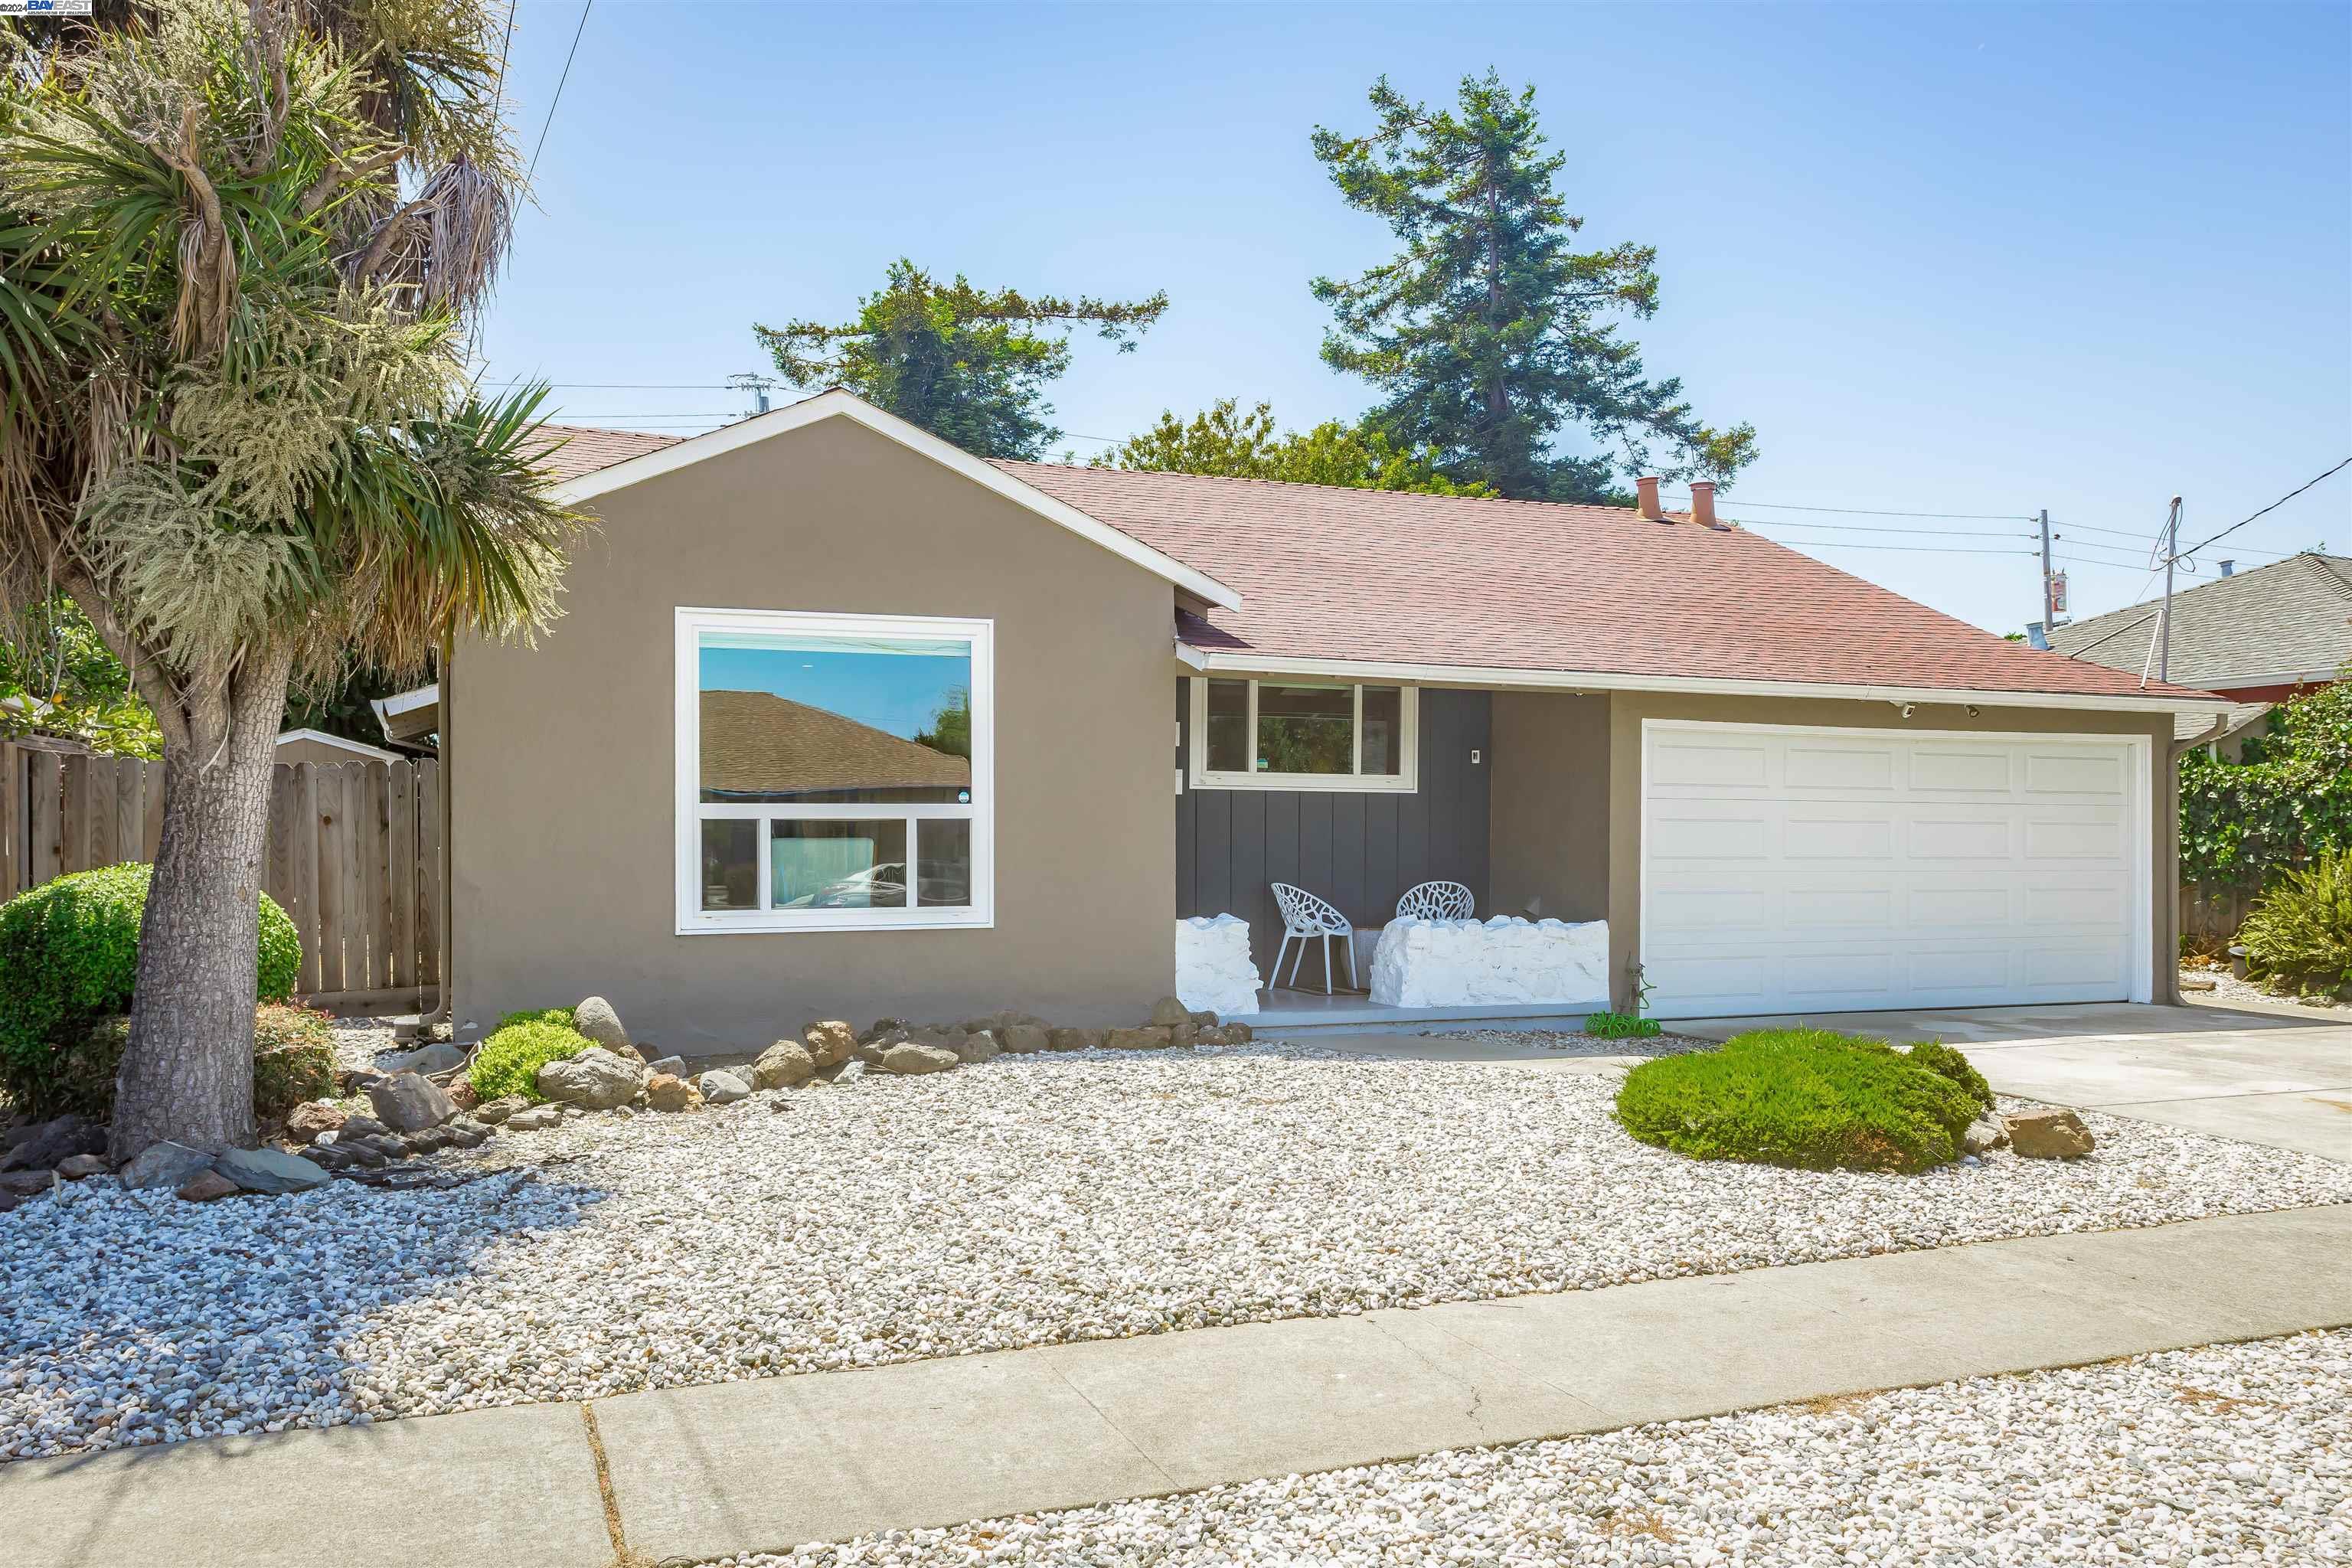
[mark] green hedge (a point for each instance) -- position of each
(69, 957)
(510, 1060)
(1807, 1098)
(2287, 800)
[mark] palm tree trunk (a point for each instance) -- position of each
(187, 1071)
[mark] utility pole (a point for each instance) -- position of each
(2172, 555)
(757, 386)
(2048, 599)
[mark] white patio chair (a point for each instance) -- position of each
(1306, 916)
(1438, 901)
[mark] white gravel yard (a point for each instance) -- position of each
(2228, 1453)
(1024, 1202)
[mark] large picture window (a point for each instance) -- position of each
(1303, 734)
(834, 772)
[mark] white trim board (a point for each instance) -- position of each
(2140, 972)
(836, 403)
(342, 742)
(1199, 659)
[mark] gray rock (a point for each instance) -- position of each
(909, 1059)
(431, 1141)
(1984, 1135)
(27, 1184)
(595, 1079)
(313, 1119)
(850, 1073)
(363, 1127)
(466, 1133)
(44, 1144)
(1021, 1039)
(2048, 1134)
(1184, 1037)
(330, 1159)
(595, 1018)
(1074, 1039)
(980, 1047)
(535, 1120)
(79, 1167)
(494, 1111)
(1203, 1018)
(405, 1102)
(165, 1165)
(269, 1171)
(880, 1028)
(829, 1043)
(674, 1066)
(1148, 1038)
(424, 1059)
(780, 1066)
(871, 1051)
(1167, 1013)
(720, 1087)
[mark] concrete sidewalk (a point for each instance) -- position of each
(768, 1464)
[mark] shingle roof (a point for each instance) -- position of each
(584, 449)
(758, 745)
(1377, 577)
(2257, 629)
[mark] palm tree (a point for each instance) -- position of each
(238, 243)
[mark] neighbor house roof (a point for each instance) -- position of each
(2281, 624)
(585, 450)
(756, 745)
(1297, 578)
(1442, 584)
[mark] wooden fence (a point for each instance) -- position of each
(2211, 915)
(354, 858)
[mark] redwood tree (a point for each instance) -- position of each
(238, 240)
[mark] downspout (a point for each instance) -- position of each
(448, 820)
(2167, 982)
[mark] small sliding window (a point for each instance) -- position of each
(1303, 735)
(834, 772)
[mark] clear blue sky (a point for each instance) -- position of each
(1978, 260)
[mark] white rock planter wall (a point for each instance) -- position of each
(1213, 965)
(1452, 963)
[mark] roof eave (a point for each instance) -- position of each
(1209, 661)
(836, 404)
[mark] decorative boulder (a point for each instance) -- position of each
(1074, 1039)
(1984, 1135)
(880, 1028)
(79, 1167)
(596, 1019)
(871, 1051)
(978, 1046)
(165, 1165)
(1184, 1036)
(491, 1112)
(723, 1088)
(829, 1044)
(44, 1144)
(595, 1079)
(1021, 1039)
(206, 1186)
(1168, 1011)
(668, 1091)
(2048, 1134)
(425, 1059)
(782, 1065)
(269, 1171)
(1214, 971)
(27, 1184)
(463, 1094)
(312, 1116)
(1143, 1039)
(674, 1066)
(910, 1059)
(407, 1103)
(537, 1118)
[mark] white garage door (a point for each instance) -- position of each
(1791, 870)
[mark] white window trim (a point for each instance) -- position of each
(1407, 782)
(693, 919)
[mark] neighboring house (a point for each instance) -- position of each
(318, 746)
(842, 721)
(2257, 637)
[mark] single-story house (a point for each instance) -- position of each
(841, 721)
(2257, 637)
(318, 746)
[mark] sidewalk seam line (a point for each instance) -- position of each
(604, 1487)
(1124, 1435)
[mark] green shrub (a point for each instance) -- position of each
(2301, 931)
(69, 957)
(1936, 1057)
(1808, 1098)
(557, 1015)
(510, 1060)
(293, 1057)
(1618, 1026)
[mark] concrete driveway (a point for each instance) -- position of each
(2281, 1077)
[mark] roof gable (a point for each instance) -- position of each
(836, 403)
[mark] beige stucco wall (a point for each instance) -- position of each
(562, 759)
(1627, 710)
(1549, 805)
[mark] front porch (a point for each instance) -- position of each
(1286, 1014)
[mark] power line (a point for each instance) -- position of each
(1882, 528)
(2290, 495)
(1914, 549)
(1873, 511)
(551, 102)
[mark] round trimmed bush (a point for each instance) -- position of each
(1940, 1058)
(69, 957)
(510, 1060)
(1811, 1099)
